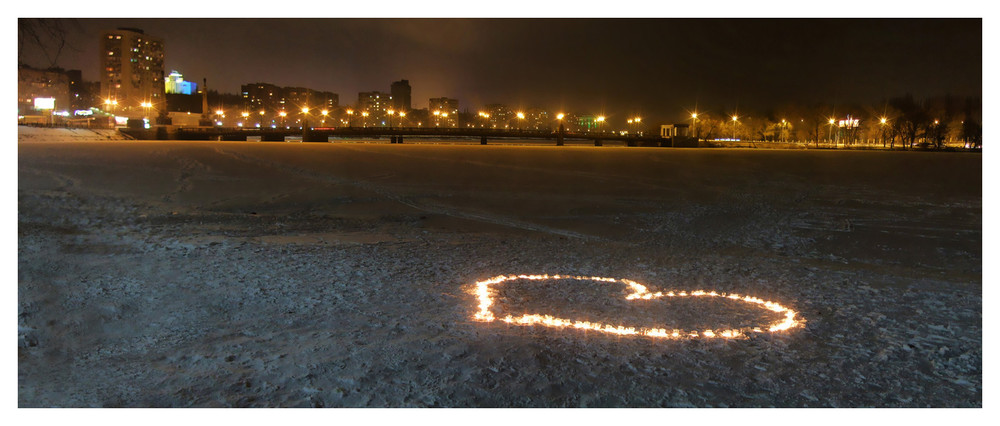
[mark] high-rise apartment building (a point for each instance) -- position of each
(132, 75)
(375, 104)
(400, 92)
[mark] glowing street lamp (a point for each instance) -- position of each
(364, 122)
(736, 121)
(219, 115)
(145, 107)
(882, 122)
(283, 115)
(829, 133)
(350, 116)
(305, 117)
(600, 121)
(520, 120)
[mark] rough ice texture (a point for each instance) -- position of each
(269, 274)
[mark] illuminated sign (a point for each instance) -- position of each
(83, 112)
(45, 103)
(849, 123)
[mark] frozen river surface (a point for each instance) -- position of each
(341, 275)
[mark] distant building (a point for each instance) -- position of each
(376, 105)
(448, 105)
(263, 97)
(444, 112)
(264, 103)
(586, 122)
(400, 92)
(49, 84)
(176, 85)
(82, 94)
(498, 115)
(132, 72)
(672, 130)
(536, 119)
(301, 97)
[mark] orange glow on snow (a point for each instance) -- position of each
(639, 291)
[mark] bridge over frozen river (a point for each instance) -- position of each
(395, 134)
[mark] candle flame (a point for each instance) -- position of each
(639, 291)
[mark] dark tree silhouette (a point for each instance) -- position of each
(913, 118)
(46, 36)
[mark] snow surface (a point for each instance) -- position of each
(270, 274)
(27, 134)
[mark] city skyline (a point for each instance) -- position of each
(582, 65)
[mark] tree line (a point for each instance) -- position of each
(901, 121)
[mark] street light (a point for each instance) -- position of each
(350, 115)
(364, 120)
(829, 134)
(391, 112)
(283, 115)
(694, 121)
(600, 120)
(882, 121)
(520, 122)
(735, 122)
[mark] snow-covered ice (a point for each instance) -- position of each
(166, 273)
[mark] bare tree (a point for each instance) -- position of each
(46, 36)
(913, 118)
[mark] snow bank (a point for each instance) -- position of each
(44, 134)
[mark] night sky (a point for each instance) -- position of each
(656, 68)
